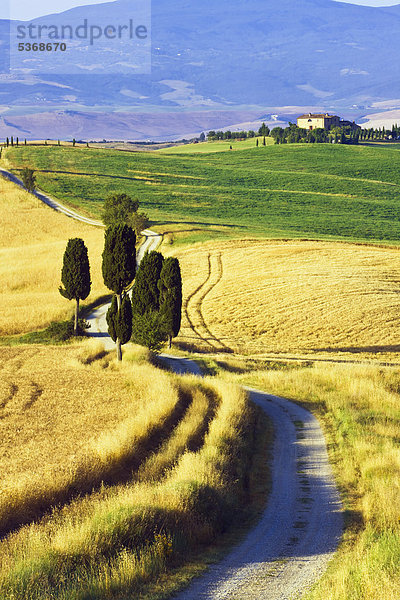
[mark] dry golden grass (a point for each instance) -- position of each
(32, 243)
(291, 297)
(69, 419)
(117, 541)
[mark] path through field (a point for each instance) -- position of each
(298, 533)
(301, 526)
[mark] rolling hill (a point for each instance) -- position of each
(254, 58)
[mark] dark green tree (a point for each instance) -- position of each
(73, 143)
(264, 130)
(119, 208)
(111, 317)
(170, 286)
(149, 326)
(139, 221)
(124, 320)
(7, 142)
(12, 141)
(145, 292)
(257, 142)
(120, 321)
(28, 179)
(149, 330)
(75, 275)
(119, 263)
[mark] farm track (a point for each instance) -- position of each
(193, 305)
(35, 394)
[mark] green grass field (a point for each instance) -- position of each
(219, 146)
(303, 191)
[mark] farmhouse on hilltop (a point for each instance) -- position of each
(322, 121)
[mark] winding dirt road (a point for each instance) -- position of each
(299, 531)
(301, 526)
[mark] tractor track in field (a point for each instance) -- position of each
(193, 305)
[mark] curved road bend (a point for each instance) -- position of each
(301, 527)
(302, 524)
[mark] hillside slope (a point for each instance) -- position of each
(212, 56)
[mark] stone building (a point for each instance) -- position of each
(323, 121)
(315, 121)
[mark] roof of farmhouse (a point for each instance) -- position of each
(316, 116)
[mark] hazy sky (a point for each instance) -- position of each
(26, 9)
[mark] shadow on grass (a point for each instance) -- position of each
(395, 348)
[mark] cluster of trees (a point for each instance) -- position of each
(153, 316)
(238, 135)
(292, 134)
(380, 133)
(295, 135)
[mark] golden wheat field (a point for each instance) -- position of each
(112, 468)
(32, 243)
(48, 400)
(302, 297)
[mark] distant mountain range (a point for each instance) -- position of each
(249, 57)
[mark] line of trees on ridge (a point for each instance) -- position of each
(292, 134)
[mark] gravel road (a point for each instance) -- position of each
(302, 524)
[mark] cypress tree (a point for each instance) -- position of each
(146, 293)
(149, 328)
(170, 286)
(17, 141)
(25, 142)
(12, 141)
(119, 263)
(257, 143)
(111, 318)
(124, 320)
(120, 321)
(264, 143)
(75, 274)
(7, 142)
